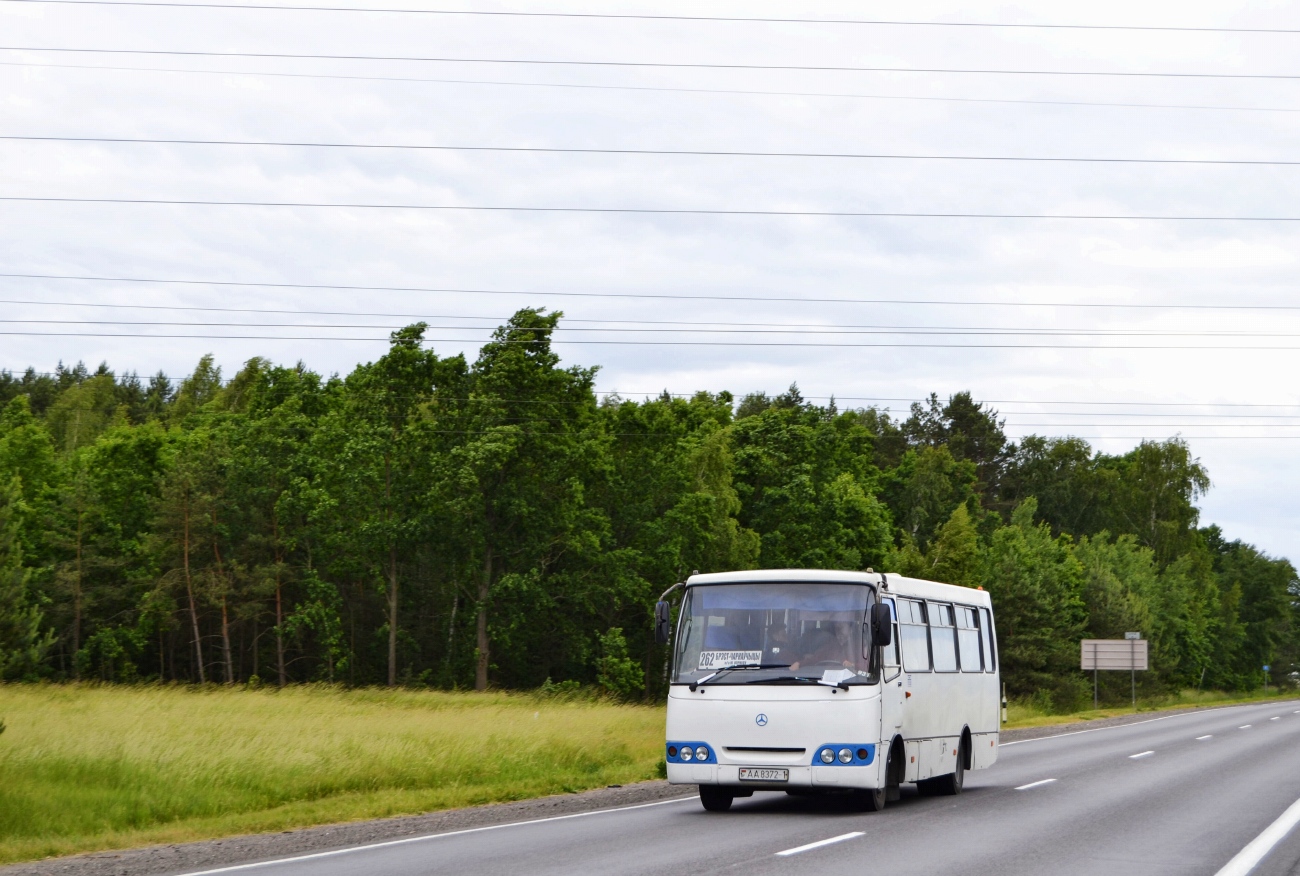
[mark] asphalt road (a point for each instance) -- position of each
(1182, 794)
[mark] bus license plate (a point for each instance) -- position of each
(762, 774)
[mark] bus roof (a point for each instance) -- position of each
(894, 584)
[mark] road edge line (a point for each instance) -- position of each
(430, 836)
(1182, 714)
(1258, 848)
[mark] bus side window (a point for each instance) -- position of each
(890, 651)
(968, 639)
(986, 638)
(916, 650)
(943, 641)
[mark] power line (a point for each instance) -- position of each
(658, 327)
(737, 91)
(656, 211)
(819, 344)
(685, 18)
(660, 65)
(616, 295)
(707, 153)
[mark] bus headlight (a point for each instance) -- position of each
(701, 753)
(686, 753)
(827, 756)
(846, 756)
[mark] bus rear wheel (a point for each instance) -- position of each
(715, 798)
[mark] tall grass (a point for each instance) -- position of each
(85, 767)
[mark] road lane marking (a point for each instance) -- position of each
(1120, 726)
(1205, 737)
(817, 845)
(1247, 859)
(1035, 784)
(432, 836)
(1276, 718)
(1244, 727)
(1140, 754)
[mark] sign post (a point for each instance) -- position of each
(1130, 652)
(1266, 678)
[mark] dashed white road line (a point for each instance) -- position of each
(1247, 859)
(1035, 784)
(1244, 727)
(1205, 737)
(1140, 754)
(1276, 718)
(817, 845)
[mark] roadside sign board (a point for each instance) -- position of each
(1132, 635)
(1113, 654)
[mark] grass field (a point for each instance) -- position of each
(85, 768)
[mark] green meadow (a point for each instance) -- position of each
(87, 768)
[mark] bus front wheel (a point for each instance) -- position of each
(715, 798)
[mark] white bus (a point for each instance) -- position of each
(810, 681)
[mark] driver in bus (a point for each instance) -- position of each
(825, 645)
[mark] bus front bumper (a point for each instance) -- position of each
(803, 777)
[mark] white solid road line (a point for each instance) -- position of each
(1206, 736)
(1140, 754)
(1261, 845)
(817, 845)
(1121, 726)
(1035, 784)
(432, 836)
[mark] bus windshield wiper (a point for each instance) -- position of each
(787, 679)
(738, 666)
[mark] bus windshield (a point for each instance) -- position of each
(775, 633)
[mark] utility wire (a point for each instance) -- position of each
(756, 92)
(660, 65)
(655, 211)
(693, 328)
(819, 344)
(687, 18)
(954, 302)
(708, 153)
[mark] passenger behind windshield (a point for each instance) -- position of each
(773, 630)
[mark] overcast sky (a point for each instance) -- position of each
(455, 268)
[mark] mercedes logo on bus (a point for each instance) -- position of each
(761, 720)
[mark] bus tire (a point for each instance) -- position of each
(871, 799)
(715, 798)
(951, 784)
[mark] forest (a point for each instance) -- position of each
(432, 521)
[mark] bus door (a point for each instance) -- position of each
(892, 695)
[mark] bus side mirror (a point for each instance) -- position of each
(882, 626)
(663, 622)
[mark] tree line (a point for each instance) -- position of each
(429, 520)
